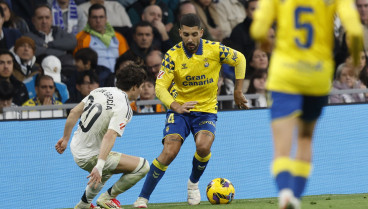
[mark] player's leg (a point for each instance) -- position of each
(133, 169)
(284, 112)
(204, 128)
(91, 192)
(175, 131)
(172, 144)
(302, 166)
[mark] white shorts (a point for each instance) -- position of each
(111, 163)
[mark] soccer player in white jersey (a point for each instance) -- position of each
(103, 114)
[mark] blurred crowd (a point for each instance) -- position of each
(55, 52)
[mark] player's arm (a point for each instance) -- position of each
(354, 31)
(263, 18)
(163, 82)
(72, 119)
(107, 143)
(237, 60)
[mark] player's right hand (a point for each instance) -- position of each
(61, 145)
(94, 178)
(184, 108)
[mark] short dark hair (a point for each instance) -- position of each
(42, 77)
(93, 77)
(96, 7)
(190, 20)
(129, 76)
(6, 90)
(142, 24)
(40, 6)
(87, 54)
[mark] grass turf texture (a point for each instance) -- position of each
(346, 201)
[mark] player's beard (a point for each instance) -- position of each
(191, 47)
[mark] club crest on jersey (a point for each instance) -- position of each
(184, 66)
(160, 74)
(206, 64)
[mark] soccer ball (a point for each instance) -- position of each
(220, 191)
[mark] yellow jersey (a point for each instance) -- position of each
(302, 60)
(194, 76)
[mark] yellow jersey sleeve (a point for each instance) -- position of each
(164, 80)
(233, 58)
(349, 16)
(261, 22)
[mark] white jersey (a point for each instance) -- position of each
(104, 108)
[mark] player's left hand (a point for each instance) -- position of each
(240, 100)
(94, 178)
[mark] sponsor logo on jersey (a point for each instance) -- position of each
(160, 74)
(199, 80)
(184, 66)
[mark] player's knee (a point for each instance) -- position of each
(203, 150)
(146, 167)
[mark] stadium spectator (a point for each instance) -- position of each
(87, 59)
(65, 15)
(257, 85)
(363, 75)
(192, 103)
(362, 6)
(147, 93)
(240, 36)
(115, 13)
(230, 14)
(11, 20)
(6, 100)
(299, 80)
(206, 10)
(347, 79)
(7, 66)
(87, 81)
(93, 141)
(258, 60)
(121, 62)
(185, 7)
(153, 63)
(161, 39)
(100, 36)
(9, 35)
(136, 9)
(50, 40)
(142, 41)
(24, 53)
(25, 9)
(51, 66)
(45, 89)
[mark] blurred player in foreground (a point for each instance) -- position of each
(103, 114)
(194, 66)
(300, 78)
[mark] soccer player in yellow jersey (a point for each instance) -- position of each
(193, 67)
(299, 81)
